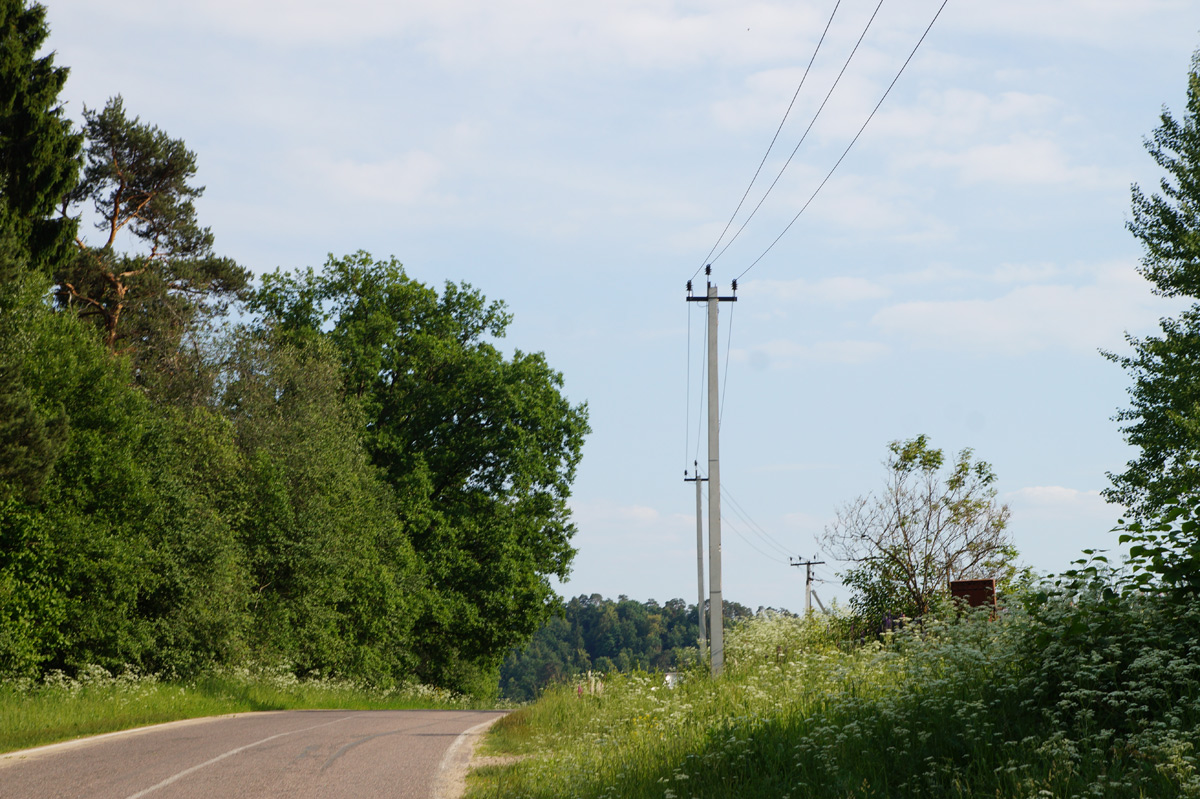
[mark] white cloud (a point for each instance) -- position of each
(472, 32)
(857, 204)
(1051, 524)
(1056, 498)
(637, 519)
(405, 180)
(1030, 318)
(783, 354)
(961, 115)
(1022, 160)
(1102, 22)
(1026, 273)
(832, 290)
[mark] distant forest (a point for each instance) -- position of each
(598, 634)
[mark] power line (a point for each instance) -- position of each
(812, 122)
(700, 412)
(750, 185)
(728, 345)
(754, 526)
(748, 542)
(687, 384)
(852, 141)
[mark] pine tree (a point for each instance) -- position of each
(139, 183)
(39, 152)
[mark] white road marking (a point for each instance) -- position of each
(452, 771)
(230, 753)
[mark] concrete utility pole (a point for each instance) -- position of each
(808, 581)
(716, 606)
(703, 638)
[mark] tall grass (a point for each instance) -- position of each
(1090, 695)
(58, 708)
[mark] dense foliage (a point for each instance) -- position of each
(482, 448)
(356, 482)
(1081, 692)
(1163, 419)
(600, 635)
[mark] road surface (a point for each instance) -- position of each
(297, 754)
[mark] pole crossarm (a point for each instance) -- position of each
(808, 581)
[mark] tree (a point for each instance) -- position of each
(137, 180)
(126, 553)
(335, 582)
(1163, 419)
(1160, 488)
(647, 637)
(38, 149)
(482, 447)
(30, 441)
(925, 529)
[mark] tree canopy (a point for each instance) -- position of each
(1160, 488)
(139, 181)
(482, 447)
(927, 527)
(1163, 418)
(602, 635)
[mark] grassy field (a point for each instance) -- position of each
(1091, 695)
(59, 709)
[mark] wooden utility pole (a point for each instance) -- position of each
(716, 606)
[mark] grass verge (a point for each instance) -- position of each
(1075, 697)
(60, 709)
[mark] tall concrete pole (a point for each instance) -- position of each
(716, 607)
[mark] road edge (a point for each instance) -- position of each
(450, 782)
(85, 740)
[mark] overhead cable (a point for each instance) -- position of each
(811, 122)
(700, 411)
(725, 378)
(753, 525)
(687, 419)
(746, 193)
(852, 141)
(730, 525)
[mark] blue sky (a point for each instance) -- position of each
(955, 277)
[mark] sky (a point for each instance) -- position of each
(957, 276)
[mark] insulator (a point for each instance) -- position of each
(735, 285)
(689, 287)
(708, 269)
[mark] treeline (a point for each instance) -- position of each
(597, 634)
(352, 481)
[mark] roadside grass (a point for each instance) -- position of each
(60, 709)
(1087, 695)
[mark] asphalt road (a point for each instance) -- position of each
(300, 754)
